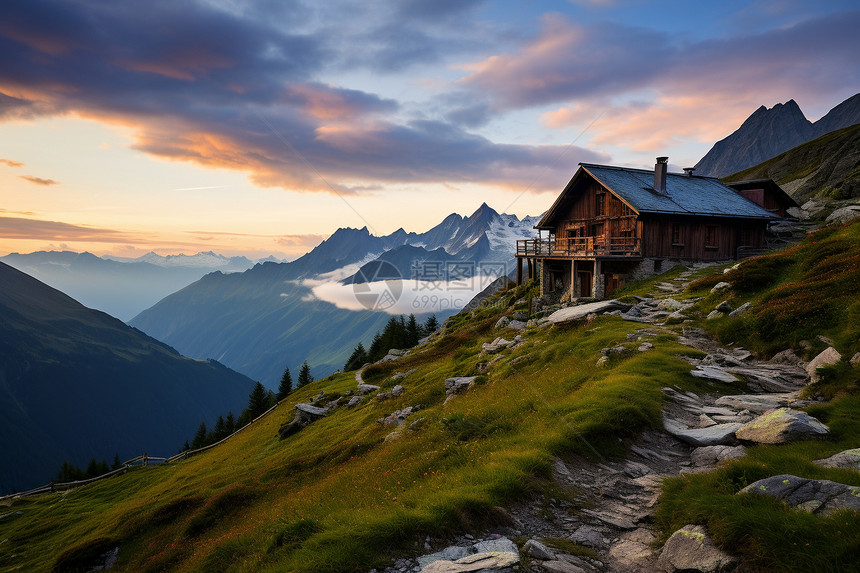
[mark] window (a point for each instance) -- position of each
(710, 236)
(677, 235)
(600, 205)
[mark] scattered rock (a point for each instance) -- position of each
(520, 315)
(458, 384)
(601, 362)
(713, 373)
(690, 549)
(354, 401)
(401, 375)
(502, 323)
(669, 304)
(855, 360)
(448, 554)
(558, 566)
(645, 346)
(758, 403)
(305, 414)
(517, 325)
(500, 344)
(781, 426)
(397, 391)
(720, 434)
(843, 215)
(398, 416)
(714, 314)
(367, 389)
(785, 357)
(815, 496)
(724, 307)
(713, 455)
(828, 357)
(720, 286)
(849, 459)
(500, 545)
(582, 311)
(741, 309)
(589, 537)
(538, 550)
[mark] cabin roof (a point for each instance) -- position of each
(768, 185)
(689, 195)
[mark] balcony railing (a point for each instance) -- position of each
(579, 247)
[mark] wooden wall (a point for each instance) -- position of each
(729, 235)
(618, 220)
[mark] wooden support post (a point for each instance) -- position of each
(519, 271)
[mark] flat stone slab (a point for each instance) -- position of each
(781, 426)
(712, 455)
(720, 434)
(367, 388)
(713, 373)
(757, 403)
(451, 553)
(849, 459)
(484, 562)
(312, 410)
(815, 496)
(583, 310)
(691, 549)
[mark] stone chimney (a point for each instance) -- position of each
(660, 174)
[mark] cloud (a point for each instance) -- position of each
(17, 212)
(21, 228)
(39, 180)
(11, 163)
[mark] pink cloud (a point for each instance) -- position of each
(39, 180)
(11, 163)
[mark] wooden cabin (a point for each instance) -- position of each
(612, 224)
(765, 193)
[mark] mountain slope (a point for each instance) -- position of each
(120, 287)
(769, 132)
(76, 383)
(828, 166)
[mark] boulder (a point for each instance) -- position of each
(843, 215)
(398, 417)
(520, 315)
(397, 391)
(500, 545)
(781, 426)
(669, 304)
(849, 459)
(690, 549)
(354, 401)
(758, 403)
(720, 286)
(601, 362)
(719, 434)
(785, 357)
(538, 550)
(483, 562)
(712, 455)
(713, 373)
(517, 324)
(582, 311)
(645, 346)
(714, 314)
(458, 384)
(502, 323)
(828, 357)
(451, 553)
(558, 566)
(855, 360)
(815, 496)
(367, 389)
(589, 537)
(724, 306)
(305, 414)
(741, 309)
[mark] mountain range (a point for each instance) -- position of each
(270, 317)
(769, 132)
(76, 383)
(120, 286)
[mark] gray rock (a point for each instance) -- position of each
(712, 455)
(690, 549)
(720, 434)
(498, 345)
(785, 357)
(741, 309)
(517, 325)
(354, 401)
(502, 323)
(670, 304)
(713, 373)
(582, 311)
(451, 553)
(500, 545)
(458, 384)
(781, 426)
(843, 215)
(483, 562)
(397, 391)
(815, 496)
(855, 360)
(758, 403)
(538, 550)
(720, 286)
(849, 459)
(367, 389)
(724, 306)
(520, 315)
(398, 417)
(558, 566)
(714, 314)
(828, 357)
(589, 537)
(645, 346)
(311, 411)
(602, 361)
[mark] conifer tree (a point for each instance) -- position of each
(117, 463)
(305, 377)
(286, 385)
(200, 437)
(431, 326)
(220, 431)
(413, 332)
(257, 401)
(357, 359)
(230, 423)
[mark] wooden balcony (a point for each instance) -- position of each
(580, 247)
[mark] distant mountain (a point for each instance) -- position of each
(828, 165)
(267, 318)
(769, 132)
(122, 287)
(76, 383)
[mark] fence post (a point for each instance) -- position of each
(144, 459)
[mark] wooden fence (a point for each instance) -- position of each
(139, 461)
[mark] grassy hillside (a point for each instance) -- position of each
(825, 167)
(346, 493)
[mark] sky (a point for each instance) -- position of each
(260, 127)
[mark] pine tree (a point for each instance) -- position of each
(286, 385)
(432, 325)
(376, 352)
(257, 401)
(413, 332)
(230, 423)
(305, 377)
(357, 359)
(200, 437)
(220, 431)
(117, 463)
